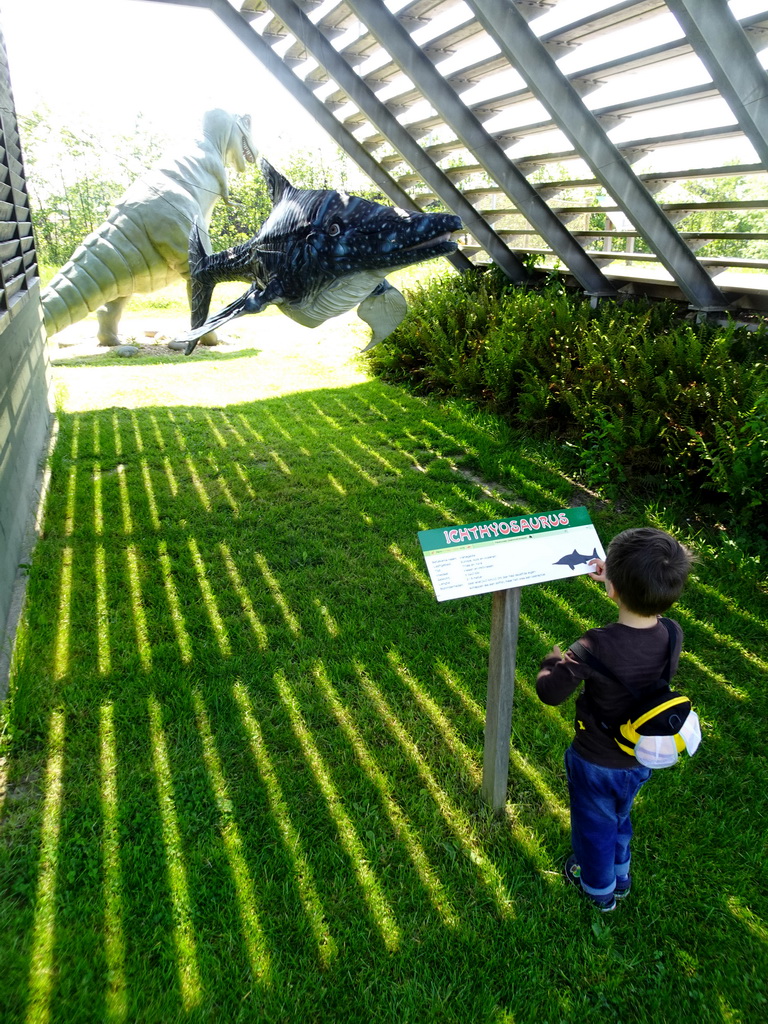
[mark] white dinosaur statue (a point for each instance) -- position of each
(143, 244)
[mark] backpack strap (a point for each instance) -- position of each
(667, 623)
(594, 663)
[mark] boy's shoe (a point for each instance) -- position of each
(623, 885)
(572, 872)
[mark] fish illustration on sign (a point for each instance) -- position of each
(575, 559)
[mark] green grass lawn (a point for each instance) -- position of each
(243, 747)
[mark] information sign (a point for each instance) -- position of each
(501, 554)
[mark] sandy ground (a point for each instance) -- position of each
(149, 332)
(257, 357)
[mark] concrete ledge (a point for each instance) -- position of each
(31, 536)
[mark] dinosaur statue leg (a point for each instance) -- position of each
(209, 338)
(108, 316)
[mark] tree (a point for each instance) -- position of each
(75, 175)
(249, 203)
(239, 219)
(739, 220)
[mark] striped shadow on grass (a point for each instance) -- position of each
(244, 743)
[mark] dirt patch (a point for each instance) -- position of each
(151, 335)
(493, 490)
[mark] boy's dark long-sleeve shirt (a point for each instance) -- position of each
(638, 656)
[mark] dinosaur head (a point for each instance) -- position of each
(326, 234)
(231, 135)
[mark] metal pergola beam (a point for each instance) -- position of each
(395, 39)
(253, 41)
(509, 29)
(364, 98)
(723, 47)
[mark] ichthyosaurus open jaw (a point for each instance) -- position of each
(321, 254)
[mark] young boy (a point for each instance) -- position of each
(644, 572)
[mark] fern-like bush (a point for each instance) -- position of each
(646, 396)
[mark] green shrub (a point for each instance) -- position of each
(643, 394)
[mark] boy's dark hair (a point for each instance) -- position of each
(648, 568)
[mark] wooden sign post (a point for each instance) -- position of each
(505, 622)
(500, 557)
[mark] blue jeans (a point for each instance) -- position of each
(601, 799)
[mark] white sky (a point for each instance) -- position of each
(102, 62)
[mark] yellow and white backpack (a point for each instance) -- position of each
(661, 724)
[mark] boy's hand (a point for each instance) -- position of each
(599, 570)
(555, 652)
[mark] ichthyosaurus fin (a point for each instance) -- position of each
(383, 310)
